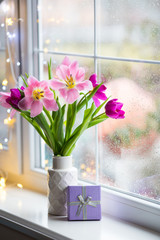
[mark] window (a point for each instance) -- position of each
(119, 41)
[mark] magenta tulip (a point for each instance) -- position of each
(113, 109)
(100, 92)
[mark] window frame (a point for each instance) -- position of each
(115, 203)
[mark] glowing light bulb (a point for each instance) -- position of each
(2, 182)
(6, 121)
(83, 166)
(45, 50)
(11, 35)
(8, 110)
(9, 121)
(9, 21)
(8, 60)
(88, 170)
(18, 64)
(51, 20)
(4, 82)
(84, 174)
(1, 146)
(4, 88)
(2, 24)
(19, 185)
(6, 140)
(47, 41)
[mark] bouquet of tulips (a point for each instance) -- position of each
(39, 103)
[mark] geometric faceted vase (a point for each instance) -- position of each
(59, 178)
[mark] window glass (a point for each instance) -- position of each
(128, 28)
(66, 26)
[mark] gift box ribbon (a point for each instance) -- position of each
(83, 202)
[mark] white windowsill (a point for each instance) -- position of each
(24, 209)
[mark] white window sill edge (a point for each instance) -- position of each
(26, 211)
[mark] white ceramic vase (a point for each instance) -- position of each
(59, 178)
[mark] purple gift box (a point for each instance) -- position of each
(84, 202)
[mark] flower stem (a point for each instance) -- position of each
(48, 115)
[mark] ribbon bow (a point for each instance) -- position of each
(84, 203)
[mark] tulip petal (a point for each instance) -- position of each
(93, 79)
(56, 84)
(48, 94)
(6, 94)
(36, 108)
(63, 92)
(96, 101)
(80, 74)
(121, 114)
(62, 71)
(66, 61)
(25, 103)
(85, 85)
(3, 102)
(33, 81)
(50, 104)
(73, 68)
(72, 95)
(102, 88)
(101, 95)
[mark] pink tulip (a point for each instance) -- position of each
(37, 95)
(70, 80)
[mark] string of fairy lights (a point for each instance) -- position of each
(6, 23)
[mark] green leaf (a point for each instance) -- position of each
(71, 117)
(26, 84)
(98, 120)
(48, 115)
(54, 114)
(81, 104)
(27, 75)
(50, 69)
(57, 128)
(99, 108)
